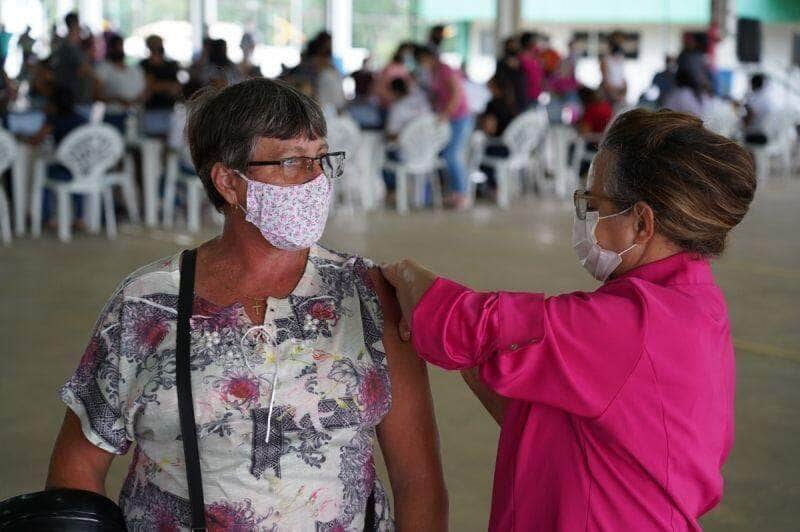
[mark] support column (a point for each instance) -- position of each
(339, 21)
(508, 21)
(91, 14)
(197, 16)
(723, 16)
(296, 19)
(63, 7)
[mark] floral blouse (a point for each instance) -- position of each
(308, 466)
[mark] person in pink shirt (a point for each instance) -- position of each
(532, 67)
(616, 405)
(445, 87)
(398, 67)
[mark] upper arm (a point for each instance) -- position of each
(76, 462)
(573, 352)
(408, 434)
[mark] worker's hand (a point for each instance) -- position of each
(410, 281)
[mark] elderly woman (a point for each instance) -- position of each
(616, 406)
(295, 360)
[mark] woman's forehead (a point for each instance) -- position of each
(298, 146)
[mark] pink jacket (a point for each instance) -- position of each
(621, 400)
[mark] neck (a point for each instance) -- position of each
(253, 262)
(657, 249)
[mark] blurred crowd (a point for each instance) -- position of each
(83, 69)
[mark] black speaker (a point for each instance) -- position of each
(748, 40)
(796, 50)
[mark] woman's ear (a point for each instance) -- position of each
(226, 182)
(645, 222)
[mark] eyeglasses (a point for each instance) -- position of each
(581, 200)
(298, 170)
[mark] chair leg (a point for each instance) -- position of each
(64, 209)
(129, 194)
(418, 197)
(193, 205)
(436, 191)
(37, 196)
(401, 180)
(108, 210)
(92, 212)
(170, 183)
(5, 219)
(503, 192)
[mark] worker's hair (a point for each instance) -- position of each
(698, 183)
(224, 125)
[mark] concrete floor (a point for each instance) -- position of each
(51, 294)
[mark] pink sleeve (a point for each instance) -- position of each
(573, 351)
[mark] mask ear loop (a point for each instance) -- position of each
(269, 338)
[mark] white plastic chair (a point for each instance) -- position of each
(419, 143)
(195, 193)
(475, 152)
(723, 119)
(345, 135)
(522, 136)
(88, 152)
(781, 136)
(8, 152)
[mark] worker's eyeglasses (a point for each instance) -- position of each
(581, 199)
(299, 170)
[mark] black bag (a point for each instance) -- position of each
(61, 510)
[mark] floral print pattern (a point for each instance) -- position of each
(313, 470)
(289, 217)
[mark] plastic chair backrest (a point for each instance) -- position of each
(722, 118)
(421, 140)
(8, 150)
(525, 132)
(90, 150)
(344, 135)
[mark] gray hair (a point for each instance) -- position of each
(224, 125)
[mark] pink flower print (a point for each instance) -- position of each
(374, 395)
(166, 522)
(227, 517)
(150, 331)
(320, 355)
(220, 516)
(240, 391)
(323, 311)
(89, 358)
(212, 317)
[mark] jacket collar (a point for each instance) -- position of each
(680, 268)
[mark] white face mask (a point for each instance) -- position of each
(292, 217)
(599, 262)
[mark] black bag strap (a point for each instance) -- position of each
(183, 380)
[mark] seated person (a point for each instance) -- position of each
(597, 114)
(407, 104)
(494, 120)
(121, 85)
(60, 119)
(364, 107)
(758, 105)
